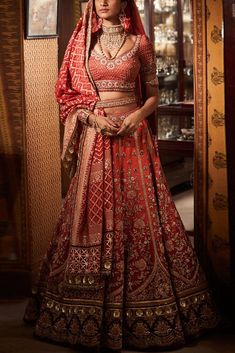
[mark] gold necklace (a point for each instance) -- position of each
(112, 29)
(111, 38)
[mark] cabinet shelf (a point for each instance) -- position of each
(175, 128)
(165, 12)
(166, 42)
(179, 148)
(162, 76)
(179, 108)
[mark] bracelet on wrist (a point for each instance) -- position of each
(83, 116)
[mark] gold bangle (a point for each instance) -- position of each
(83, 116)
(154, 82)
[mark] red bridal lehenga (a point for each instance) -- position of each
(120, 270)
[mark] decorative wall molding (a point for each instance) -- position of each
(201, 134)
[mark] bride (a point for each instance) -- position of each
(120, 270)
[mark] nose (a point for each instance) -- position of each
(103, 3)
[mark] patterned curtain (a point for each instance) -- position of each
(212, 231)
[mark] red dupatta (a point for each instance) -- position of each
(75, 89)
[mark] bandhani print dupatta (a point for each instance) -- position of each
(94, 202)
(75, 87)
(90, 249)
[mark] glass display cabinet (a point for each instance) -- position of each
(169, 24)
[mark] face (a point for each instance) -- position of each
(108, 9)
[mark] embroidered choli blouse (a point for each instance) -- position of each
(120, 74)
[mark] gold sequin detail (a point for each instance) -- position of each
(107, 265)
(139, 312)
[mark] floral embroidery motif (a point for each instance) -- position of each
(161, 308)
(114, 85)
(217, 77)
(216, 34)
(219, 160)
(120, 74)
(220, 202)
(218, 118)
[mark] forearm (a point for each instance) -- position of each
(149, 106)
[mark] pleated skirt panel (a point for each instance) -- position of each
(156, 295)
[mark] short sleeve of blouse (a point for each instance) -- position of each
(147, 56)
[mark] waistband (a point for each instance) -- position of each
(114, 85)
(118, 117)
(109, 103)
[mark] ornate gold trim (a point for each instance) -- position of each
(200, 145)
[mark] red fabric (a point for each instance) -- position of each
(126, 67)
(156, 294)
(74, 87)
(118, 211)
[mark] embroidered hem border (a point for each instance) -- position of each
(144, 325)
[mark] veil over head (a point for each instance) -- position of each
(74, 87)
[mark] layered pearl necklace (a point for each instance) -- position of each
(112, 38)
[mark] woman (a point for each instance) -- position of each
(120, 270)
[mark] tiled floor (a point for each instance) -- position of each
(16, 337)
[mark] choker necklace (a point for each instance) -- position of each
(112, 29)
(112, 38)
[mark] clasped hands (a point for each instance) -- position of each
(107, 127)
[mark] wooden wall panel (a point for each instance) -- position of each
(30, 178)
(229, 55)
(14, 240)
(218, 230)
(211, 189)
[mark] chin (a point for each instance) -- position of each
(106, 16)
